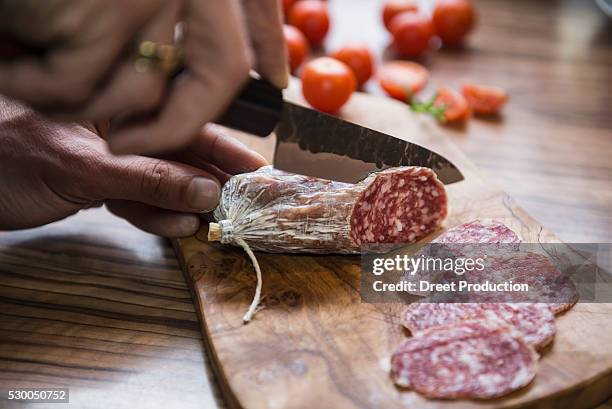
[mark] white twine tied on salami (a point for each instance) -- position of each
(274, 211)
(223, 232)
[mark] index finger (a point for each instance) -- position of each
(217, 59)
(264, 23)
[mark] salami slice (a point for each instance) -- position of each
(546, 283)
(535, 321)
(274, 211)
(481, 231)
(470, 359)
(472, 239)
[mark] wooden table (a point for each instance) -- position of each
(93, 304)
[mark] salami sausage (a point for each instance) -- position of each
(534, 321)
(279, 212)
(274, 211)
(470, 359)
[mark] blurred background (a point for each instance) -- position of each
(550, 147)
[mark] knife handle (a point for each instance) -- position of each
(256, 110)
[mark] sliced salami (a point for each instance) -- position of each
(275, 211)
(472, 239)
(481, 231)
(546, 283)
(470, 360)
(535, 321)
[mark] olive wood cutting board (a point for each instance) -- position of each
(315, 345)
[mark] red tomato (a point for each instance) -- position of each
(411, 33)
(327, 84)
(401, 79)
(311, 18)
(394, 7)
(484, 100)
(297, 46)
(455, 106)
(359, 59)
(287, 4)
(453, 20)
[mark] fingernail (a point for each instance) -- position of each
(203, 194)
(187, 225)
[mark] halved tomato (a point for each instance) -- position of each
(455, 106)
(484, 100)
(402, 79)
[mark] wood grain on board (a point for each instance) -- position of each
(314, 334)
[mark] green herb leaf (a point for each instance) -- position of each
(428, 108)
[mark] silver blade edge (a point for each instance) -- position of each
(313, 143)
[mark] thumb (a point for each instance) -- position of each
(160, 183)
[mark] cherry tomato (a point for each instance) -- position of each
(401, 79)
(287, 4)
(411, 33)
(453, 20)
(484, 100)
(394, 7)
(455, 106)
(327, 84)
(359, 59)
(311, 18)
(297, 46)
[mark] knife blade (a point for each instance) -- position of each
(313, 143)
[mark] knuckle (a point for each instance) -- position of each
(86, 164)
(155, 179)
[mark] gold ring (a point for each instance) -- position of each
(151, 56)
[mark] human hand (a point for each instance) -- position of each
(50, 171)
(87, 71)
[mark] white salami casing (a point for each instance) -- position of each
(276, 211)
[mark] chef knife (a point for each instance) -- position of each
(312, 143)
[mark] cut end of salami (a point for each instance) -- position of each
(399, 206)
(467, 360)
